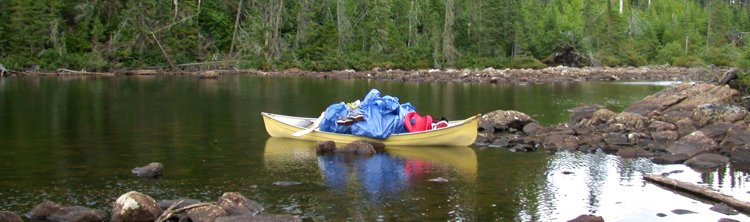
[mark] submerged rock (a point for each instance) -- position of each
(587, 218)
(286, 183)
(359, 147)
(180, 203)
(323, 147)
(258, 218)
(151, 170)
(134, 206)
(724, 209)
(707, 161)
(206, 213)
(682, 211)
(52, 211)
(7, 216)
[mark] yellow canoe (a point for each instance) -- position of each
(458, 133)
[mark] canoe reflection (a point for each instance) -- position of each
(391, 171)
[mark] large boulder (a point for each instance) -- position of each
(707, 161)
(631, 121)
(135, 207)
(682, 100)
(670, 158)
(206, 213)
(52, 211)
(741, 155)
(151, 170)
(599, 117)
(236, 204)
(736, 136)
(717, 130)
(712, 112)
(583, 112)
(7, 216)
(693, 144)
(502, 120)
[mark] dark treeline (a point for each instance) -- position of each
(362, 34)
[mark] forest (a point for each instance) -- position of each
(102, 35)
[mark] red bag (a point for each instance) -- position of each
(421, 123)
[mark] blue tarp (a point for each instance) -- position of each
(383, 116)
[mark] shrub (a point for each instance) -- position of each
(526, 62)
(688, 61)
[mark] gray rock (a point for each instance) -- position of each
(616, 139)
(599, 117)
(165, 204)
(583, 112)
(134, 206)
(522, 148)
(532, 128)
(631, 121)
(693, 144)
(717, 130)
(207, 213)
(665, 137)
(52, 211)
(501, 142)
(736, 136)
(741, 155)
(7, 216)
(439, 180)
(325, 147)
(634, 152)
(707, 161)
(151, 170)
(724, 209)
(670, 158)
(259, 218)
(44, 210)
(560, 142)
(236, 204)
(658, 126)
(728, 220)
(661, 215)
(501, 120)
(682, 211)
(587, 218)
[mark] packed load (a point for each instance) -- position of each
(376, 116)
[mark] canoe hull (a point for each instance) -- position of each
(459, 133)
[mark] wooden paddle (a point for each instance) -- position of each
(314, 126)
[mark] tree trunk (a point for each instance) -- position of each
(621, 6)
(412, 24)
(341, 24)
(699, 191)
(234, 32)
(449, 52)
(301, 23)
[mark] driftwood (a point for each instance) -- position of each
(171, 211)
(68, 71)
(699, 191)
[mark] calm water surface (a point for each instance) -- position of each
(73, 140)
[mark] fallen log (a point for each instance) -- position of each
(699, 191)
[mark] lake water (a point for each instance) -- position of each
(73, 140)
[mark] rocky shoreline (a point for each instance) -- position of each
(704, 126)
(488, 75)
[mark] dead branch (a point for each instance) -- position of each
(699, 191)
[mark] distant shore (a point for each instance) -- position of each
(487, 75)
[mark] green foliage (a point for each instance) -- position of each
(398, 34)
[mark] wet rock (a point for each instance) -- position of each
(583, 131)
(522, 148)
(583, 112)
(557, 142)
(151, 170)
(484, 139)
(717, 130)
(724, 209)
(134, 206)
(707, 161)
(323, 147)
(599, 117)
(501, 142)
(693, 144)
(236, 204)
(685, 126)
(501, 120)
(661, 215)
(728, 220)
(670, 158)
(532, 128)
(737, 136)
(7, 216)
(358, 147)
(587, 218)
(378, 146)
(611, 149)
(258, 218)
(180, 203)
(616, 139)
(44, 210)
(286, 183)
(741, 155)
(658, 126)
(665, 137)
(634, 152)
(206, 213)
(682, 211)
